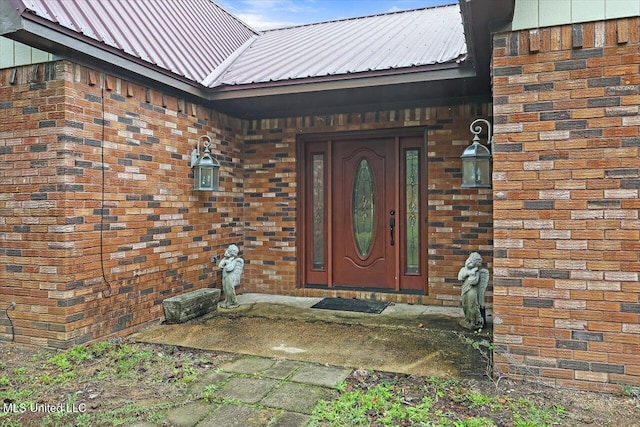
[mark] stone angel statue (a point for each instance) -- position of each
(475, 280)
(232, 267)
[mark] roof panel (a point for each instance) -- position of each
(187, 38)
(375, 43)
(197, 38)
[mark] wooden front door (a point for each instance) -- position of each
(364, 217)
(364, 214)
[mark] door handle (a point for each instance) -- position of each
(392, 226)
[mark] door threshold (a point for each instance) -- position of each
(365, 289)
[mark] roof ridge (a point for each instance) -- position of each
(354, 18)
(235, 17)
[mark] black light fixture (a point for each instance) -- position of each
(476, 158)
(206, 169)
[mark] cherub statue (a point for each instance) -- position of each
(475, 281)
(231, 267)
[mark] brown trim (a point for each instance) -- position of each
(397, 176)
(341, 82)
(301, 225)
(329, 235)
(417, 281)
(304, 194)
(337, 135)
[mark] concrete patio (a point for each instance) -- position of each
(410, 339)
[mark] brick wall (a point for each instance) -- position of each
(459, 221)
(566, 226)
(83, 261)
(157, 234)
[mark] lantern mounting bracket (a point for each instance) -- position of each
(476, 129)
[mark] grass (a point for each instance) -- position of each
(123, 383)
(105, 384)
(443, 403)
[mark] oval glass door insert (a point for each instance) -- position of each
(363, 208)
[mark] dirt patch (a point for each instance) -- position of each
(109, 383)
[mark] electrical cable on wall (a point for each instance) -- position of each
(12, 306)
(109, 293)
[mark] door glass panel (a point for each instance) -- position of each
(318, 212)
(412, 208)
(363, 208)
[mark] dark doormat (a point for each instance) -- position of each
(358, 305)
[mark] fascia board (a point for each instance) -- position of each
(249, 91)
(68, 45)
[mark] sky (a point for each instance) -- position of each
(269, 14)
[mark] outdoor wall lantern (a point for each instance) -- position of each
(206, 169)
(476, 158)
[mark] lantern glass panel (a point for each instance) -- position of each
(206, 178)
(469, 172)
(483, 177)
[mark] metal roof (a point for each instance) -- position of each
(188, 38)
(387, 42)
(203, 44)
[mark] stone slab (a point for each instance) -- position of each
(282, 369)
(190, 414)
(324, 376)
(249, 365)
(246, 390)
(291, 419)
(239, 416)
(296, 397)
(188, 306)
(207, 379)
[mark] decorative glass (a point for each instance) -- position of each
(412, 208)
(317, 227)
(363, 208)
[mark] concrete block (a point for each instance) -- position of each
(187, 306)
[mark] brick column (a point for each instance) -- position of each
(566, 225)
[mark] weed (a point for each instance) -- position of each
(64, 377)
(536, 415)
(341, 386)
(125, 415)
(442, 386)
(45, 378)
(100, 348)
(189, 373)
(128, 357)
(83, 420)
(475, 422)
(10, 423)
(559, 409)
(209, 392)
(15, 394)
(420, 413)
(631, 391)
(381, 403)
(4, 381)
(20, 375)
(477, 400)
(484, 347)
(60, 361)
(79, 354)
